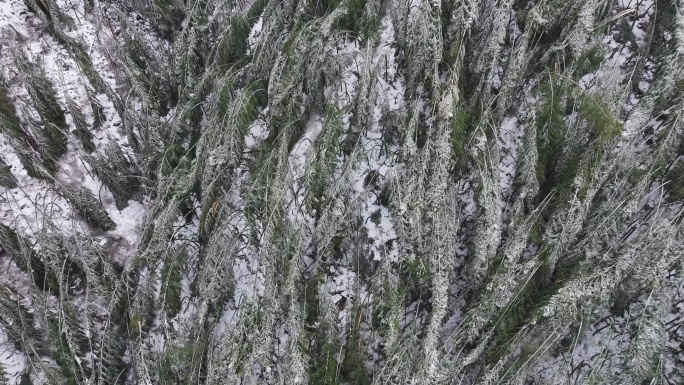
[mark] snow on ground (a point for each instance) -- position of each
(12, 361)
(509, 139)
(33, 202)
(13, 14)
(624, 51)
(343, 286)
(254, 33)
(19, 284)
(626, 54)
(248, 271)
(249, 276)
(601, 349)
(644, 11)
(592, 354)
(467, 199)
(377, 161)
(598, 347)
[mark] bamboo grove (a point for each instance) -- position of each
(341, 192)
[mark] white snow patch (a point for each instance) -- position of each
(509, 139)
(343, 286)
(12, 361)
(375, 162)
(258, 131)
(27, 207)
(254, 33)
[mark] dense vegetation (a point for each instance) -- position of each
(341, 192)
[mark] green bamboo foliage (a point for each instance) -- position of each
(117, 173)
(89, 207)
(168, 15)
(23, 142)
